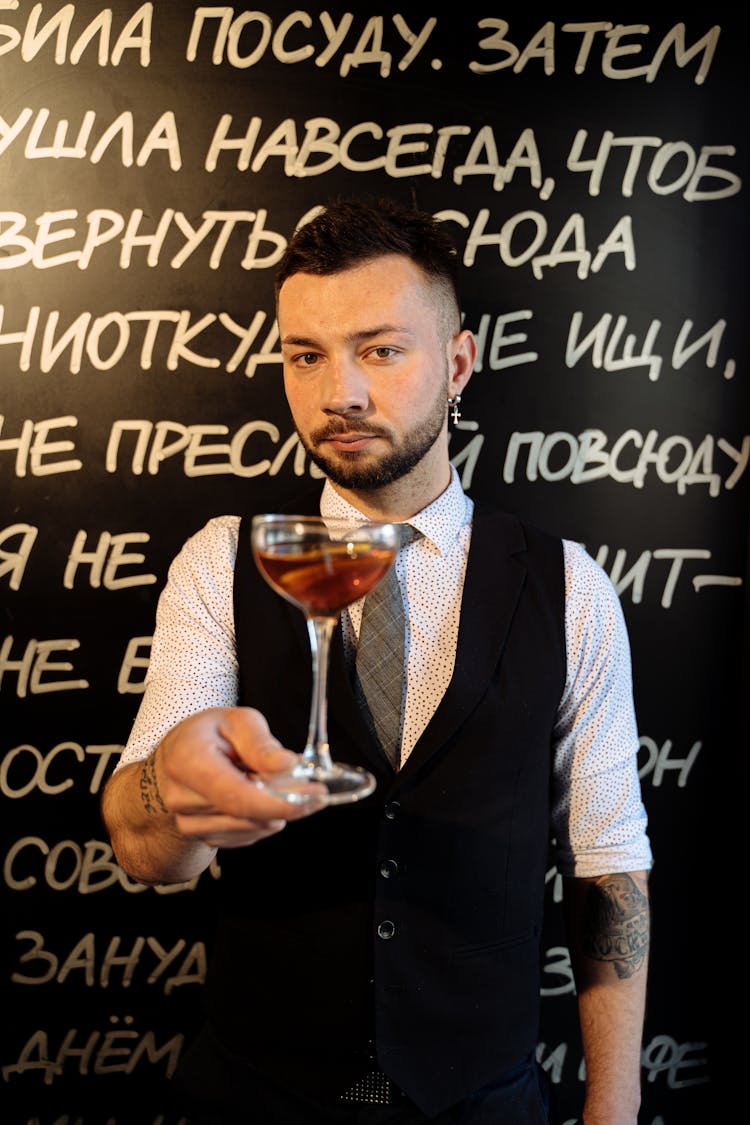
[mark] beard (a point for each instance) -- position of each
(364, 472)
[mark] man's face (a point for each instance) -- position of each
(367, 370)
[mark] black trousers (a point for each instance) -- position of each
(213, 1087)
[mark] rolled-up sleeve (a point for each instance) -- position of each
(193, 663)
(599, 821)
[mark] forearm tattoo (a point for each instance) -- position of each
(150, 795)
(616, 925)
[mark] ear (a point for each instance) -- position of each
(462, 353)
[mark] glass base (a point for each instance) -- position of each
(343, 783)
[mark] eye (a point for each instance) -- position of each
(306, 359)
(384, 351)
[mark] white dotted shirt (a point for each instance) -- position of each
(598, 819)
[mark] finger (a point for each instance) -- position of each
(247, 732)
(241, 840)
(199, 756)
(229, 792)
(227, 832)
(200, 761)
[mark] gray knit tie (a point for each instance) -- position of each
(381, 658)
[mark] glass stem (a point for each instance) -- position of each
(320, 631)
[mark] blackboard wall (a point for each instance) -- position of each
(153, 161)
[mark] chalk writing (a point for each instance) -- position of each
(557, 964)
(95, 1052)
(77, 1119)
(524, 238)
(520, 239)
(553, 879)
(156, 443)
(683, 1064)
(634, 578)
(614, 40)
(467, 458)
(13, 562)
(105, 560)
(659, 761)
(158, 1119)
(661, 1055)
(319, 145)
(102, 225)
(491, 350)
(585, 457)
(36, 768)
(687, 168)
(50, 142)
(606, 341)
(85, 868)
(102, 963)
(149, 180)
(242, 40)
(135, 35)
(107, 338)
(37, 672)
(612, 350)
(134, 660)
(35, 452)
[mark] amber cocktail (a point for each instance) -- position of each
(321, 566)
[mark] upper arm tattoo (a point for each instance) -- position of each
(616, 923)
(150, 795)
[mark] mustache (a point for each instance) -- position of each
(338, 426)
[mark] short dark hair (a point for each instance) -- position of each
(349, 232)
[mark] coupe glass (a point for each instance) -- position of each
(320, 566)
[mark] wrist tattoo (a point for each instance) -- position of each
(616, 924)
(150, 795)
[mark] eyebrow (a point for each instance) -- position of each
(353, 338)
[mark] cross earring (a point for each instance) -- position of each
(453, 403)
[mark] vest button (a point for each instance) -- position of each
(386, 930)
(388, 868)
(392, 809)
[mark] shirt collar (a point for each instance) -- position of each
(440, 522)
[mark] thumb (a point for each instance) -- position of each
(252, 744)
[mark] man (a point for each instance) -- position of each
(379, 962)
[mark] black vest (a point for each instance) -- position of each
(402, 932)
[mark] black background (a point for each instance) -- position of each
(64, 905)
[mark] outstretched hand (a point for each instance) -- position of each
(203, 773)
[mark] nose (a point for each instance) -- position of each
(345, 388)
